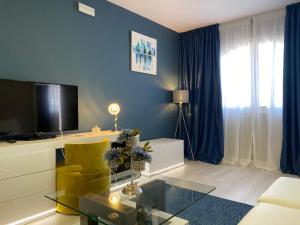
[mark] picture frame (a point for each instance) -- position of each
(143, 54)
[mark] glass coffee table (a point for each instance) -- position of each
(161, 200)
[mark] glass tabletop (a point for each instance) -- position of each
(160, 200)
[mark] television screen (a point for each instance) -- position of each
(28, 108)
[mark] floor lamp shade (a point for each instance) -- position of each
(181, 96)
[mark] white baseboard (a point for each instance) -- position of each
(35, 217)
(162, 170)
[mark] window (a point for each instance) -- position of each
(252, 65)
(270, 74)
(252, 89)
(236, 77)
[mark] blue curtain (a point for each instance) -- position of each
(200, 74)
(290, 156)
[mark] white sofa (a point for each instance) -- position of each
(279, 205)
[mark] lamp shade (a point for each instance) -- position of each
(181, 96)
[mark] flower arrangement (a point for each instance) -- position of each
(140, 154)
(113, 158)
(127, 148)
(117, 155)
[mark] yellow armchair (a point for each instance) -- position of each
(85, 171)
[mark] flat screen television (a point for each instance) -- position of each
(33, 110)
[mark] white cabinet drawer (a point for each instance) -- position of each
(14, 188)
(25, 160)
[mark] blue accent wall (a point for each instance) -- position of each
(50, 41)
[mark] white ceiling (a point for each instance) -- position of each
(183, 15)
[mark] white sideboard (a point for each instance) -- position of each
(27, 173)
(167, 154)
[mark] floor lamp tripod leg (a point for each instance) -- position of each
(177, 126)
(187, 134)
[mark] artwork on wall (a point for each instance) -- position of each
(143, 54)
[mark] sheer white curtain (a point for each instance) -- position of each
(252, 80)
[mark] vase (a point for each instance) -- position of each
(133, 188)
(138, 165)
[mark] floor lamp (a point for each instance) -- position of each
(182, 97)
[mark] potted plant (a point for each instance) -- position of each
(138, 156)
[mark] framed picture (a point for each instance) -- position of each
(143, 54)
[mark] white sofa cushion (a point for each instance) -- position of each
(268, 214)
(285, 191)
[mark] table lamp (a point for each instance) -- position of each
(182, 97)
(114, 110)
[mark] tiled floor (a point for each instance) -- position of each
(238, 183)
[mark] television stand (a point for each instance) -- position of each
(28, 172)
(42, 136)
(29, 137)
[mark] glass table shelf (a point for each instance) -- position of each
(161, 200)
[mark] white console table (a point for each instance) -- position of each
(167, 154)
(27, 173)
